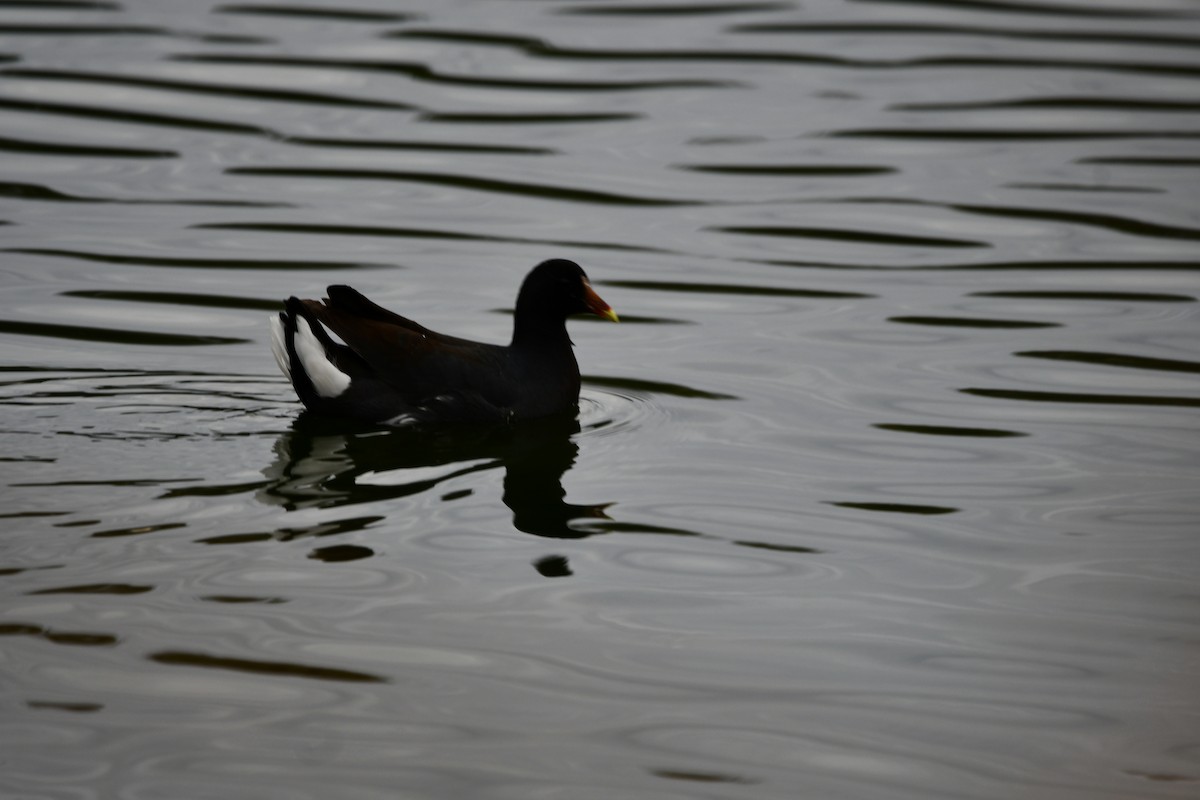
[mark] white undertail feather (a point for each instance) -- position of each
(279, 346)
(327, 380)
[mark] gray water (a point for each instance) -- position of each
(886, 486)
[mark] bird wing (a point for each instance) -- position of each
(353, 303)
(418, 363)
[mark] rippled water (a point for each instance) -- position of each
(886, 486)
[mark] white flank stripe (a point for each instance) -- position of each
(327, 380)
(279, 346)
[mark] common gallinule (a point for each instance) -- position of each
(393, 370)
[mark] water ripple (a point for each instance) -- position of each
(687, 9)
(191, 87)
(177, 298)
(423, 72)
(321, 13)
(408, 233)
(133, 117)
(792, 170)
(474, 118)
(607, 413)
(542, 49)
(78, 638)
(656, 387)
(973, 322)
(1081, 294)
(12, 145)
(196, 263)
(870, 28)
(948, 430)
(402, 145)
(688, 287)
(1165, 162)
(1009, 134)
(284, 669)
(1114, 360)
(30, 191)
(1058, 102)
(1109, 222)
(495, 185)
(846, 235)
(1088, 398)
(114, 335)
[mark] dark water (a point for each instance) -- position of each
(888, 485)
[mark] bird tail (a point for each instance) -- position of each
(302, 348)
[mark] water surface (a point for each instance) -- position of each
(884, 487)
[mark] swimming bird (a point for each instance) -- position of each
(388, 369)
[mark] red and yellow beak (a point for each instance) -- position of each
(596, 305)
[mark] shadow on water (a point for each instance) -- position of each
(322, 463)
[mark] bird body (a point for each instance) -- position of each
(388, 368)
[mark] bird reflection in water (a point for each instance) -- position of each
(322, 463)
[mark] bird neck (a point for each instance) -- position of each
(533, 333)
